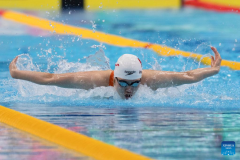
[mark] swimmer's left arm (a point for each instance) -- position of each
(162, 79)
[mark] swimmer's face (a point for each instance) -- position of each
(128, 91)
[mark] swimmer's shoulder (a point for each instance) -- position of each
(151, 75)
(106, 74)
(98, 78)
(103, 74)
(146, 73)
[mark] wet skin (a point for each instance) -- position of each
(125, 92)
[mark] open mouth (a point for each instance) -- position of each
(127, 96)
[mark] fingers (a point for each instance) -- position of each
(212, 60)
(15, 59)
(215, 52)
(217, 61)
(13, 63)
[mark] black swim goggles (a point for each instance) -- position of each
(123, 83)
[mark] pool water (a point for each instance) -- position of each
(184, 122)
(16, 144)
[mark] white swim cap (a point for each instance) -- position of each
(128, 67)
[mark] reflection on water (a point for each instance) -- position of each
(157, 132)
(15, 144)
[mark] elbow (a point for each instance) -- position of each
(48, 79)
(191, 78)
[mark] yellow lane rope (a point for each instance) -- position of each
(66, 138)
(60, 28)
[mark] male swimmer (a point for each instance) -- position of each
(126, 77)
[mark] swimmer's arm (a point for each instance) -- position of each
(81, 80)
(162, 79)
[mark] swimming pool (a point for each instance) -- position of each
(187, 122)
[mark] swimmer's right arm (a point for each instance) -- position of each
(81, 80)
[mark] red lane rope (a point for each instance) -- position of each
(148, 45)
(1, 12)
(211, 6)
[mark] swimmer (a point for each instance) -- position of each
(126, 77)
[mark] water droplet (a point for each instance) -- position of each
(49, 50)
(235, 40)
(88, 6)
(220, 44)
(103, 20)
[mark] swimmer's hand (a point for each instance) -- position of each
(217, 61)
(13, 67)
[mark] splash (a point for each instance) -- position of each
(191, 95)
(99, 59)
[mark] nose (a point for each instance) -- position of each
(129, 89)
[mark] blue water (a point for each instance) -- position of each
(185, 122)
(16, 144)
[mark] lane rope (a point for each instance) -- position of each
(66, 138)
(60, 28)
(213, 6)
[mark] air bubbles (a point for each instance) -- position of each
(101, 46)
(236, 40)
(220, 44)
(49, 50)
(94, 26)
